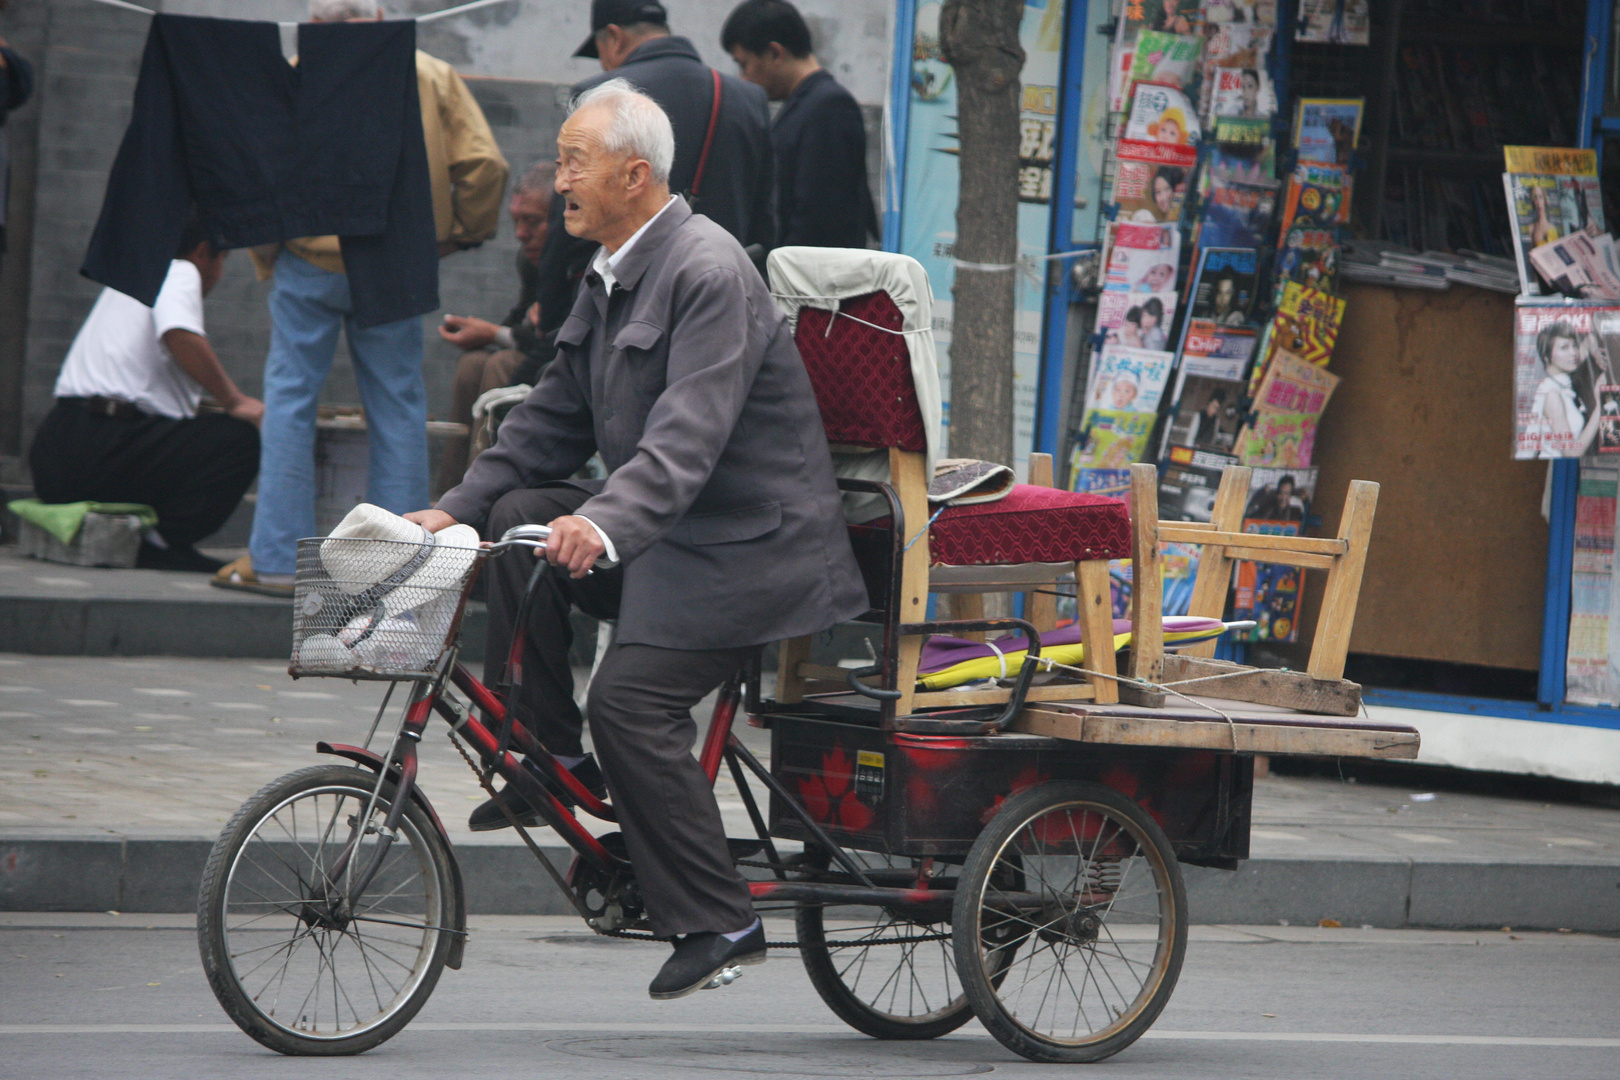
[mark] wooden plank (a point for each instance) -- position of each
(966, 606)
(1285, 558)
(1093, 726)
(790, 657)
(906, 474)
(1338, 614)
(1095, 601)
(1147, 571)
(1040, 608)
(934, 699)
(1172, 531)
(1214, 566)
(1141, 696)
(1263, 686)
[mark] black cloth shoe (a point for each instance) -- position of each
(175, 557)
(700, 957)
(487, 815)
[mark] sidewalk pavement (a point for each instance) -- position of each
(118, 773)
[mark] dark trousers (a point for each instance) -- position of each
(640, 708)
(192, 472)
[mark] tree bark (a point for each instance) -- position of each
(979, 39)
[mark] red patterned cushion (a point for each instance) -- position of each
(862, 375)
(1032, 524)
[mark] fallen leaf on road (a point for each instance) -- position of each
(1332, 924)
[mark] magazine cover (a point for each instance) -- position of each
(1292, 385)
(1167, 59)
(1237, 214)
(1156, 154)
(1278, 440)
(1208, 414)
(1180, 562)
(1139, 320)
(1317, 199)
(1590, 678)
(1267, 593)
(1253, 12)
(1225, 285)
(1309, 257)
(1235, 81)
(1326, 130)
(1127, 379)
(1551, 192)
(1608, 438)
(1221, 352)
(1114, 483)
(1188, 483)
(1561, 356)
(1306, 324)
(1550, 160)
(1338, 22)
(1575, 265)
(1113, 439)
(1281, 494)
(1141, 257)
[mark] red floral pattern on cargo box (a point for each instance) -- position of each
(829, 796)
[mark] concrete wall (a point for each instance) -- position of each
(514, 56)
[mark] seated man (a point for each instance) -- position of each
(720, 510)
(125, 426)
(513, 352)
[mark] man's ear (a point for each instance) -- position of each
(774, 53)
(639, 175)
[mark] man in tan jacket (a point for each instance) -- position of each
(310, 303)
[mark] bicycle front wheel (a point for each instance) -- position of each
(1070, 923)
(295, 961)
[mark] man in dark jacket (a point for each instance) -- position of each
(720, 508)
(631, 40)
(822, 197)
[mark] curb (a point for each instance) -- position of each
(130, 874)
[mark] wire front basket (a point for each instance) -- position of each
(377, 609)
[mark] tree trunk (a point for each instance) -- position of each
(979, 39)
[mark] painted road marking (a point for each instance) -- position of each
(816, 1029)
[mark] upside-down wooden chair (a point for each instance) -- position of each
(855, 314)
(1322, 687)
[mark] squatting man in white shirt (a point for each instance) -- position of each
(126, 425)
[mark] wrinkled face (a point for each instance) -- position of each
(593, 180)
(531, 221)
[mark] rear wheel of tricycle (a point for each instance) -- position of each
(295, 960)
(886, 972)
(1070, 923)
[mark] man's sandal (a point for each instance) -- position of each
(239, 575)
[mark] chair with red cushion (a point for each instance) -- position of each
(863, 328)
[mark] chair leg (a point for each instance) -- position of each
(1214, 566)
(789, 684)
(1096, 610)
(1040, 608)
(1338, 614)
(906, 474)
(1147, 577)
(967, 606)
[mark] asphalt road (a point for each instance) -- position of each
(124, 996)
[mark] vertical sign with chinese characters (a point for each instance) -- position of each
(928, 207)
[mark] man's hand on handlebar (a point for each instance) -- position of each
(431, 520)
(574, 544)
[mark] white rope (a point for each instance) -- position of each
(1000, 656)
(984, 268)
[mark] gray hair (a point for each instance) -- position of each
(638, 126)
(539, 179)
(338, 10)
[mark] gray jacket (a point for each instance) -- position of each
(721, 499)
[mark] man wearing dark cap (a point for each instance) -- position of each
(631, 40)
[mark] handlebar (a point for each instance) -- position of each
(529, 536)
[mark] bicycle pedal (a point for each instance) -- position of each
(724, 977)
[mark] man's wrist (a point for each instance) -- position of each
(610, 553)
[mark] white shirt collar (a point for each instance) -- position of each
(604, 263)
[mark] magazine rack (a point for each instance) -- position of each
(1321, 688)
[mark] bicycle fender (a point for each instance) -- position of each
(374, 762)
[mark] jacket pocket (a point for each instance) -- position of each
(734, 526)
(638, 335)
(573, 332)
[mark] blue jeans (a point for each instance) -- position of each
(308, 305)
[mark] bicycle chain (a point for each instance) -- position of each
(639, 936)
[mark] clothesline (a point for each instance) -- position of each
(430, 17)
